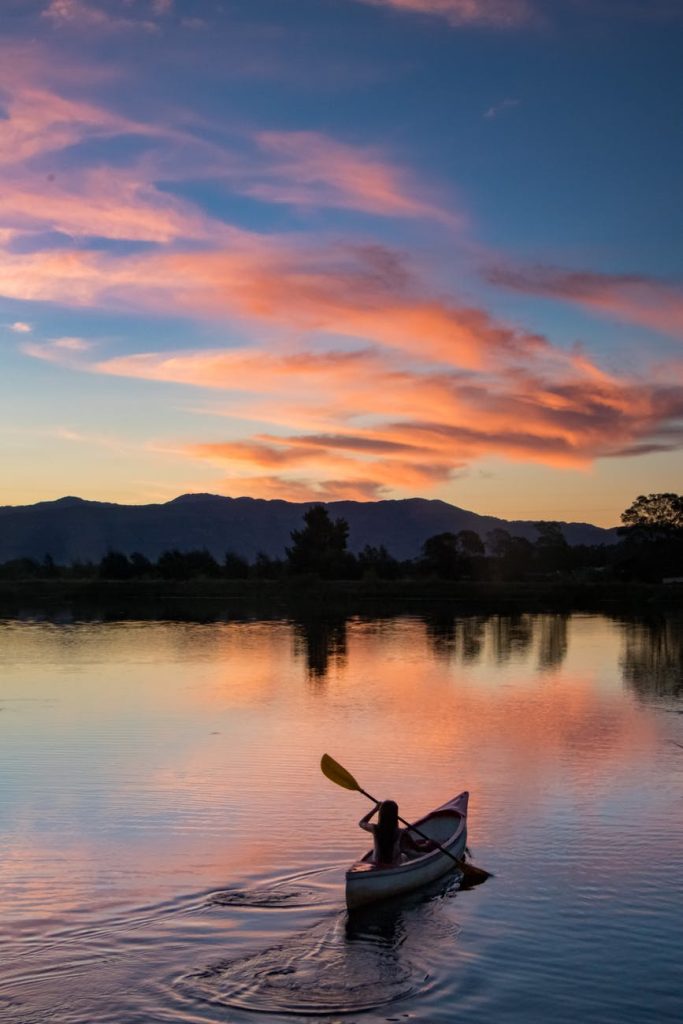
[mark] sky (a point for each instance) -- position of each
(342, 249)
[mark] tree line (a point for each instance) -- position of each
(650, 548)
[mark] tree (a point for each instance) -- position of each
(235, 567)
(378, 562)
(553, 554)
(140, 565)
(186, 565)
(513, 555)
(441, 556)
(172, 565)
(115, 566)
(320, 547)
(20, 569)
(267, 568)
(49, 570)
(653, 537)
(470, 543)
(498, 542)
(654, 515)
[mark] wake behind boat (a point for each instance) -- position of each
(367, 882)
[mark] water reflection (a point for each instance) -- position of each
(553, 641)
(144, 761)
(511, 635)
(442, 633)
(322, 641)
(652, 660)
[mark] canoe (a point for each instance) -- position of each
(367, 882)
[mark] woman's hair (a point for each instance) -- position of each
(385, 830)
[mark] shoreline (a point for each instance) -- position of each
(204, 599)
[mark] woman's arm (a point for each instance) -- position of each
(365, 820)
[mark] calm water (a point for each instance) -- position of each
(170, 852)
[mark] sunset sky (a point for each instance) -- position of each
(322, 249)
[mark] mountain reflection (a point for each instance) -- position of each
(652, 659)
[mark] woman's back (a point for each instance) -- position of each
(386, 834)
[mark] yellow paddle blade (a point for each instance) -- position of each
(336, 773)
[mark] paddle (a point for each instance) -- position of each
(337, 773)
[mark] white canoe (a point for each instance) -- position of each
(367, 882)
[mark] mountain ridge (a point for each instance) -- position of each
(76, 529)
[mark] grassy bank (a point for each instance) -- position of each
(219, 599)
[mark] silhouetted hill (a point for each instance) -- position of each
(71, 529)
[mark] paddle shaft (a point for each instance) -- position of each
(413, 828)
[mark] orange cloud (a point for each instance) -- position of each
(362, 293)
(492, 13)
(632, 298)
(402, 428)
(435, 386)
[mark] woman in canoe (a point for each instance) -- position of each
(390, 841)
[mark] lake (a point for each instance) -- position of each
(170, 851)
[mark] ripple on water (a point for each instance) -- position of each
(354, 963)
(269, 897)
(316, 972)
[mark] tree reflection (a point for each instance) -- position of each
(552, 646)
(441, 634)
(454, 638)
(510, 634)
(652, 659)
(321, 640)
(472, 631)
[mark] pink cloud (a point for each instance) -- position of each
(63, 351)
(312, 169)
(362, 293)
(487, 13)
(126, 202)
(39, 121)
(89, 16)
(106, 202)
(632, 298)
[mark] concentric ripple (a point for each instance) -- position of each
(363, 961)
(316, 972)
(268, 897)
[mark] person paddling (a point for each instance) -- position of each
(390, 841)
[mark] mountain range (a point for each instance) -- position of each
(72, 529)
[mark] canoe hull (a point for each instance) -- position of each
(367, 883)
